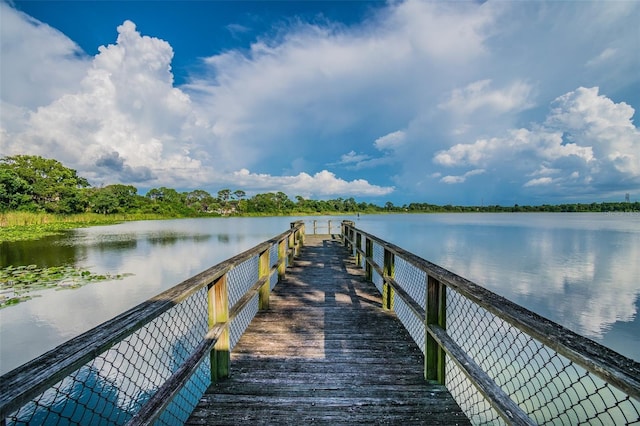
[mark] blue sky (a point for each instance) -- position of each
(441, 102)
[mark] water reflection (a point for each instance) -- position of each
(46, 252)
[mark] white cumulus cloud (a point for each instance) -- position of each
(124, 123)
(462, 178)
(323, 183)
(39, 64)
(587, 141)
(390, 141)
(479, 95)
(123, 120)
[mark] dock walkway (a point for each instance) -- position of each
(326, 352)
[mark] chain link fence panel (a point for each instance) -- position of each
(112, 387)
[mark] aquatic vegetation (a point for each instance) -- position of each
(18, 283)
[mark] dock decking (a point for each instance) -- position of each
(326, 352)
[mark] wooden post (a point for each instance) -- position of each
(299, 240)
(282, 265)
(389, 271)
(347, 234)
(435, 313)
(358, 245)
(343, 234)
(368, 252)
(218, 301)
(264, 269)
(292, 247)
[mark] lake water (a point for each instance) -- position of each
(580, 270)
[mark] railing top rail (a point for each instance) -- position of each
(19, 385)
(620, 371)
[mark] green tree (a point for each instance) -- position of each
(102, 201)
(115, 198)
(224, 195)
(15, 192)
(201, 201)
(239, 194)
(54, 187)
(168, 201)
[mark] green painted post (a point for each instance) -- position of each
(218, 304)
(435, 313)
(389, 272)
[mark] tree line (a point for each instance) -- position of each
(37, 184)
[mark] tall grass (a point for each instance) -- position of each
(10, 219)
(15, 226)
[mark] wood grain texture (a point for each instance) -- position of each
(326, 352)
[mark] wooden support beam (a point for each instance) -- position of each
(388, 272)
(264, 269)
(435, 313)
(282, 263)
(220, 356)
(368, 252)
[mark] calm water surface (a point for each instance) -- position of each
(580, 270)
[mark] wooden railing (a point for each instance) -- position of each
(323, 227)
(499, 360)
(153, 353)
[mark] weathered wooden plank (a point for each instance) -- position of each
(338, 410)
(326, 352)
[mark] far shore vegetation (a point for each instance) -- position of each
(40, 196)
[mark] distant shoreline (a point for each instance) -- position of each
(21, 226)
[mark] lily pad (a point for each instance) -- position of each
(18, 283)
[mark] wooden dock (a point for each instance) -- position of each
(326, 352)
(321, 349)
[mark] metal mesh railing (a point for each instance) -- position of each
(127, 366)
(541, 377)
(411, 279)
(241, 322)
(378, 258)
(546, 385)
(241, 278)
(273, 260)
(110, 388)
(181, 406)
(412, 323)
(472, 403)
